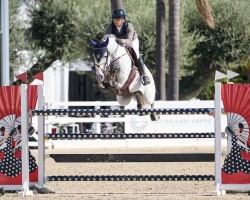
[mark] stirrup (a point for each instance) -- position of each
(145, 80)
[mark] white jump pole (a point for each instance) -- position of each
(217, 145)
(41, 145)
(25, 148)
(97, 128)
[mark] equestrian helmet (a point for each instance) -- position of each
(118, 13)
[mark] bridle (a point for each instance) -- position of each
(107, 67)
(98, 58)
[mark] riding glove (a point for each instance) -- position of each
(119, 41)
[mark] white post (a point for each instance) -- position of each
(25, 148)
(217, 131)
(41, 145)
(97, 124)
(4, 41)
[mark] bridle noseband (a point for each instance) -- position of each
(98, 57)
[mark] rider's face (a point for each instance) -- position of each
(118, 21)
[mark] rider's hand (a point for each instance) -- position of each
(119, 41)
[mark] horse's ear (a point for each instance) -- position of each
(105, 43)
(92, 42)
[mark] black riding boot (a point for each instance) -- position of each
(141, 68)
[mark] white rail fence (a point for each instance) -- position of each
(218, 128)
(130, 124)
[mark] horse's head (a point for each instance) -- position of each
(101, 54)
(101, 58)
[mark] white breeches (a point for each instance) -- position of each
(135, 46)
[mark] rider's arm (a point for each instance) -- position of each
(131, 34)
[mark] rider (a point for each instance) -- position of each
(126, 35)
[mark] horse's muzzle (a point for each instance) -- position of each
(99, 77)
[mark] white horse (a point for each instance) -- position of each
(116, 72)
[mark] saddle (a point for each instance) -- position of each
(133, 55)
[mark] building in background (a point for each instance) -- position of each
(69, 82)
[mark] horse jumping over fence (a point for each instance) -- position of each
(116, 72)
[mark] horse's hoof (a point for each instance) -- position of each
(139, 106)
(154, 117)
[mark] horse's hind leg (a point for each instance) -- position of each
(154, 117)
(140, 103)
(139, 99)
(124, 100)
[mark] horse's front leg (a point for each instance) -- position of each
(101, 85)
(154, 117)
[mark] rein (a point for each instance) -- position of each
(117, 58)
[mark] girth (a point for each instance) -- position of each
(124, 90)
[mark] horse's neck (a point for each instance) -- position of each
(119, 54)
(125, 66)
